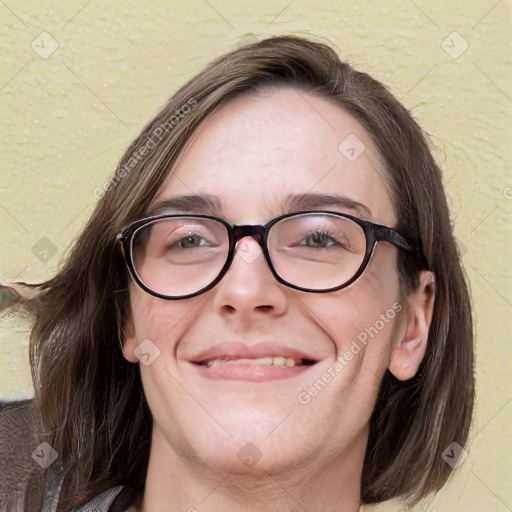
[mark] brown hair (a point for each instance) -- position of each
(90, 399)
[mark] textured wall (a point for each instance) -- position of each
(79, 79)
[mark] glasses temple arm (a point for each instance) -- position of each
(411, 245)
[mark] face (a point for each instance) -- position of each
(255, 156)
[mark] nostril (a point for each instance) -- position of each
(265, 308)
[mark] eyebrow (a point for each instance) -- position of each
(212, 205)
(188, 204)
(324, 201)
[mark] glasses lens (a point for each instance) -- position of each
(180, 255)
(317, 251)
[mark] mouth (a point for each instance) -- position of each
(281, 361)
(256, 363)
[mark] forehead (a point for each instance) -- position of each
(259, 150)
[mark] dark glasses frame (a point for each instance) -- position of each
(373, 233)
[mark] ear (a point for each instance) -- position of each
(129, 341)
(413, 334)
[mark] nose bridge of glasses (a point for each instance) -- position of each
(253, 231)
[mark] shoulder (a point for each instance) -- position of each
(21, 479)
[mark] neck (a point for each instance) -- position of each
(178, 483)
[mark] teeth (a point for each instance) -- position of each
(289, 362)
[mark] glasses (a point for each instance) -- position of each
(180, 256)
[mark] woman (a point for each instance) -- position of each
(266, 310)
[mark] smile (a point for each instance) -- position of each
(287, 362)
(253, 362)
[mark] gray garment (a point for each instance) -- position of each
(101, 503)
(22, 480)
(28, 481)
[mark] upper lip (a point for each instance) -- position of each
(240, 350)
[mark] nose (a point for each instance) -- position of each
(249, 287)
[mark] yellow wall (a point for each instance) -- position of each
(67, 116)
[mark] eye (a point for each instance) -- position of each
(191, 241)
(319, 239)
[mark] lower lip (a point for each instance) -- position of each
(250, 372)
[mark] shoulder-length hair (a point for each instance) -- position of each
(90, 399)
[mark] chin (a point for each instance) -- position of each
(255, 458)
(256, 444)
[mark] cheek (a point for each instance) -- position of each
(360, 323)
(161, 321)
(355, 309)
(164, 323)
(361, 320)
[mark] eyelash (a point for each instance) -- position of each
(323, 233)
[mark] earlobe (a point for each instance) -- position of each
(412, 341)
